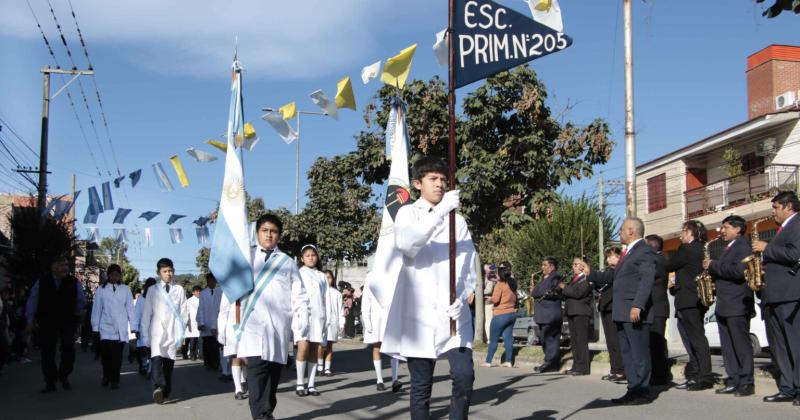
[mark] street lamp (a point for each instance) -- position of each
(297, 155)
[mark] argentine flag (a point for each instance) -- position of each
(230, 259)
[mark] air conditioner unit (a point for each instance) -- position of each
(785, 99)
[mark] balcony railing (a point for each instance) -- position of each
(755, 185)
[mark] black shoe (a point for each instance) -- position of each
(730, 389)
(745, 390)
(114, 385)
(545, 368)
(301, 392)
(158, 396)
(313, 392)
(700, 386)
(620, 379)
(609, 377)
(576, 373)
(48, 389)
(66, 385)
(779, 397)
(796, 402)
(380, 386)
(623, 399)
(638, 400)
(104, 382)
(397, 386)
(686, 384)
(239, 396)
(328, 373)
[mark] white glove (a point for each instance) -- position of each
(454, 311)
(449, 202)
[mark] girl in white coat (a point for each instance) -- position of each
(316, 287)
(373, 318)
(226, 336)
(111, 313)
(333, 304)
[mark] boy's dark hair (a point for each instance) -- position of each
(164, 262)
(657, 240)
(196, 289)
(552, 261)
(737, 222)
(113, 268)
(271, 218)
(426, 165)
(613, 250)
(787, 198)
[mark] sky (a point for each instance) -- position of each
(163, 73)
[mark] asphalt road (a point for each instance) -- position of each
(500, 393)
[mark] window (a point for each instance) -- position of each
(751, 162)
(657, 193)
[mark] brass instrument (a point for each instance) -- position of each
(754, 270)
(705, 285)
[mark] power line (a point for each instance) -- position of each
(8, 126)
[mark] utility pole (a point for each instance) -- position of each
(630, 145)
(600, 216)
(41, 201)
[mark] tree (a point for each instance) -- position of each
(112, 251)
(513, 153)
(571, 230)
(779, 6)
(35, 242)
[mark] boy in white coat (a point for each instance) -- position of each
(277, 305)
(418, 323)
(111, 313)
(163, 320)
(190, 345)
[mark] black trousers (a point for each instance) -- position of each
(161, 373)
(211, 352)
(50, 337)
(462, 375)
(111, 359)
(634, 342)
(550, 339)
(612, 343)
(737, 351)
(783, 326)
(659, 355)
(693, 334)
(262, 381)
(190, 348)
(579, 341)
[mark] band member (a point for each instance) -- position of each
(547, 315)
(307, 344)
(226, 326)
(659, 354)
(687, 263)
(578, 306)
(111, 313)
(603, 281)
(418, 325)
(373, 318)
(781, 297)
(207, 314)
(163, 320)
(335, 325)
(277, 306)
(190, 347)
(734, 308)
(54, 306)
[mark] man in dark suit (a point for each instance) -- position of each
(659, 356)
(547, 314)
(781, 297)
(687, 263)
(634, 277)
(734, 308)
(603, 283)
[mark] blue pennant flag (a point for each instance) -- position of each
(121, 215)
(95, 205)
(148, 215)
(108, 202)
(174, 218)
(201, 221)
(161, 176)
(118, 181)
(90, 218)
(134, 176)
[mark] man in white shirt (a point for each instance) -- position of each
(207, 314)
(418, 324)
(111, 313)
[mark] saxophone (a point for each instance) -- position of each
(705, 285)
(754, 271)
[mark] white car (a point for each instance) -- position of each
(758, 331)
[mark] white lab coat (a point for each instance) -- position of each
(373, 315)
(335, 314)
(283, 302)
(208, 311)
(136, 324)
(192, 305)
(159, 322)
(417, 325)
(226, 332)
(112, 311)
(316, 287)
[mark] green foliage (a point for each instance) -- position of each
(570, 230)
(201, 261)
(112, 251)
(35, 242)
(733, 162)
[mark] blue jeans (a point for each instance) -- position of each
(501, 324)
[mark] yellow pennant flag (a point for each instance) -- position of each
(176, 163)
(218, 144)
(249, 131)
(395, 71)
(288, 111)
(344, 94)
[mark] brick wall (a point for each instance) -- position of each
(771, 72)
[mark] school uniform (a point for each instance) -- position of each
(316, 288)
(192, 332)
(226, 327)
(373, 316)
(111, 314)
(335, 315)
(164, 318)
(207, 313)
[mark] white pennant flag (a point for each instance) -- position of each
(281, 126)
(200, 155)
(93, 234)
(440, 48)
(176, 235)
(321, 100)
(370, 72)
(547, 12)
(148, 237)
(121, 235)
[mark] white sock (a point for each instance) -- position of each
(320, 363)
(312, 375)
(244, 374)
(236, 372)
(395, 368)
(378, 374)
(327, 365)
(300, 367)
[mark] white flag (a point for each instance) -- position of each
(321, 100)
(121, 235)
(93, 234)
(370, 72)
(200, 155)
(440, 47)
(547, 12)
(176, 235)
(281, 126)
(148, 237)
